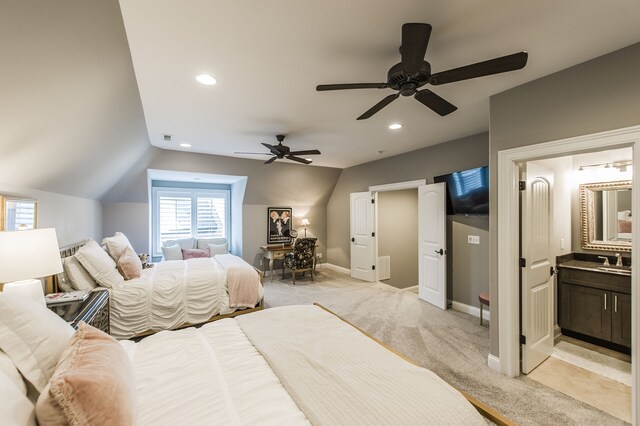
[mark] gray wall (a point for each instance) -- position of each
(398, 235)
(598, 95)
(304, 188)
(467, 264)
(75, 219)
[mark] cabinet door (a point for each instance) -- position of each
(586, 310)
(621, 319)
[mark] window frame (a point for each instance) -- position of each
(193, 193)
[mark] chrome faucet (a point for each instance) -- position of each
(606, 260)
(619, 259)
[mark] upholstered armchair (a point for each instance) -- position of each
(301, 259)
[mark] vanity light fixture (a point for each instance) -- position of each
(206, 79)
(185, 145)
(620, 165)
(395, 126)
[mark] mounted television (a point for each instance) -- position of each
(467, 191)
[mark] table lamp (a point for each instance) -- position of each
(25, 256)
(305, 223)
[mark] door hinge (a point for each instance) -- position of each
(523, 339)
(522, 262)
(522, 185)
(373, 267)
(373, 201)
(373, 234)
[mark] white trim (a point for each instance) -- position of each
(494, 363)
(411, 184)
(338, 268)
(471, 310)
(557, 332)
(413, 287)
(509, 240)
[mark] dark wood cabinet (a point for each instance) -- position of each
(595, 305)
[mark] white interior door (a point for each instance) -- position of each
(537, 279)
(432, 242)
(362, 237)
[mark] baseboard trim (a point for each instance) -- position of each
(471, 310)
(494, 363)
(413, 287)
(557, 332)
(338, 268)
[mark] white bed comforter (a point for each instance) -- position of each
(285, 366)
(170, 294)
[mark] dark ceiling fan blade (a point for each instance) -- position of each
(308, 152)
(512, 62)
(415, 38)
(298, 159)
(377, 107)
(253, 153)
(271, 160)
(268, 146)
(435, 102)
(324, 87)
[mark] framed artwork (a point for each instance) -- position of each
(279, 225)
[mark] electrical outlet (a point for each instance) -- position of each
(319, 255)
(473, 239)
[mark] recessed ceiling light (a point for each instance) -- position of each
(395, 126)
(206, 79)
(185, 145)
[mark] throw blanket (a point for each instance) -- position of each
(243, 282)
(338, 376)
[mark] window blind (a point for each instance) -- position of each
(174, 217)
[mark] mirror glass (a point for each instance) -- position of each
(606, 215)
(19, 214)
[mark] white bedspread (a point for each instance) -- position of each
(168, 295)
(207, 376)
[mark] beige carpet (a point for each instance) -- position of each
(450, 343)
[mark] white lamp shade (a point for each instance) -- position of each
(305, 222)
(29, 254)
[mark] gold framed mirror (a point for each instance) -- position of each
(18, 214)
(605, 216)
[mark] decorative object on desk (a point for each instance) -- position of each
(27, 255)
(305, 223)
(278, 223)
(18, 214)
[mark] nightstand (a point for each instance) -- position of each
(94, 310)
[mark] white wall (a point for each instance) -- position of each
(75, 219)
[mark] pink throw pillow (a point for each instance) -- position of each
(129, 264)
(93, 383)
(194, 253)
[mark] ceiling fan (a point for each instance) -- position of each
(414, 72)
(280, 151)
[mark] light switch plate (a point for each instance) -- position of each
(473, 239)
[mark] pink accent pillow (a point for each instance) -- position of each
(93, 383)
(129, 264)
(194, 253)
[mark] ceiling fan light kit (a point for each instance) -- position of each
(413, 72)
(280, 151)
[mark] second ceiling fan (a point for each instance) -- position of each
(414, 72)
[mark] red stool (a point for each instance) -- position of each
(484, 300)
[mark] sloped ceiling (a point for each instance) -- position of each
(71, 119)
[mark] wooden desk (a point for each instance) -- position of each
(272, 253)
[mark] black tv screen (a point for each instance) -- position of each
(467, 191)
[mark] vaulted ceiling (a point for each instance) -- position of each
(87, 87)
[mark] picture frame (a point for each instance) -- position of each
(279, 225)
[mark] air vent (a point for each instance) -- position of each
(167, 138)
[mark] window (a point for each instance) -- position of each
(182, 213)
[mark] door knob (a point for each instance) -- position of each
(353, 240)
(440, 252)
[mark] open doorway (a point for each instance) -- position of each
(575, 249)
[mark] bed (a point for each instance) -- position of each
(170, 295)
(295, 365)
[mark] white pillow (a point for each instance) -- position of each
(78, 277)
(33, 336)
(184, 243)
(15, 407)
(116, 245)
(217, 249)
(204, 242)
(173, 252)
(99, 265)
